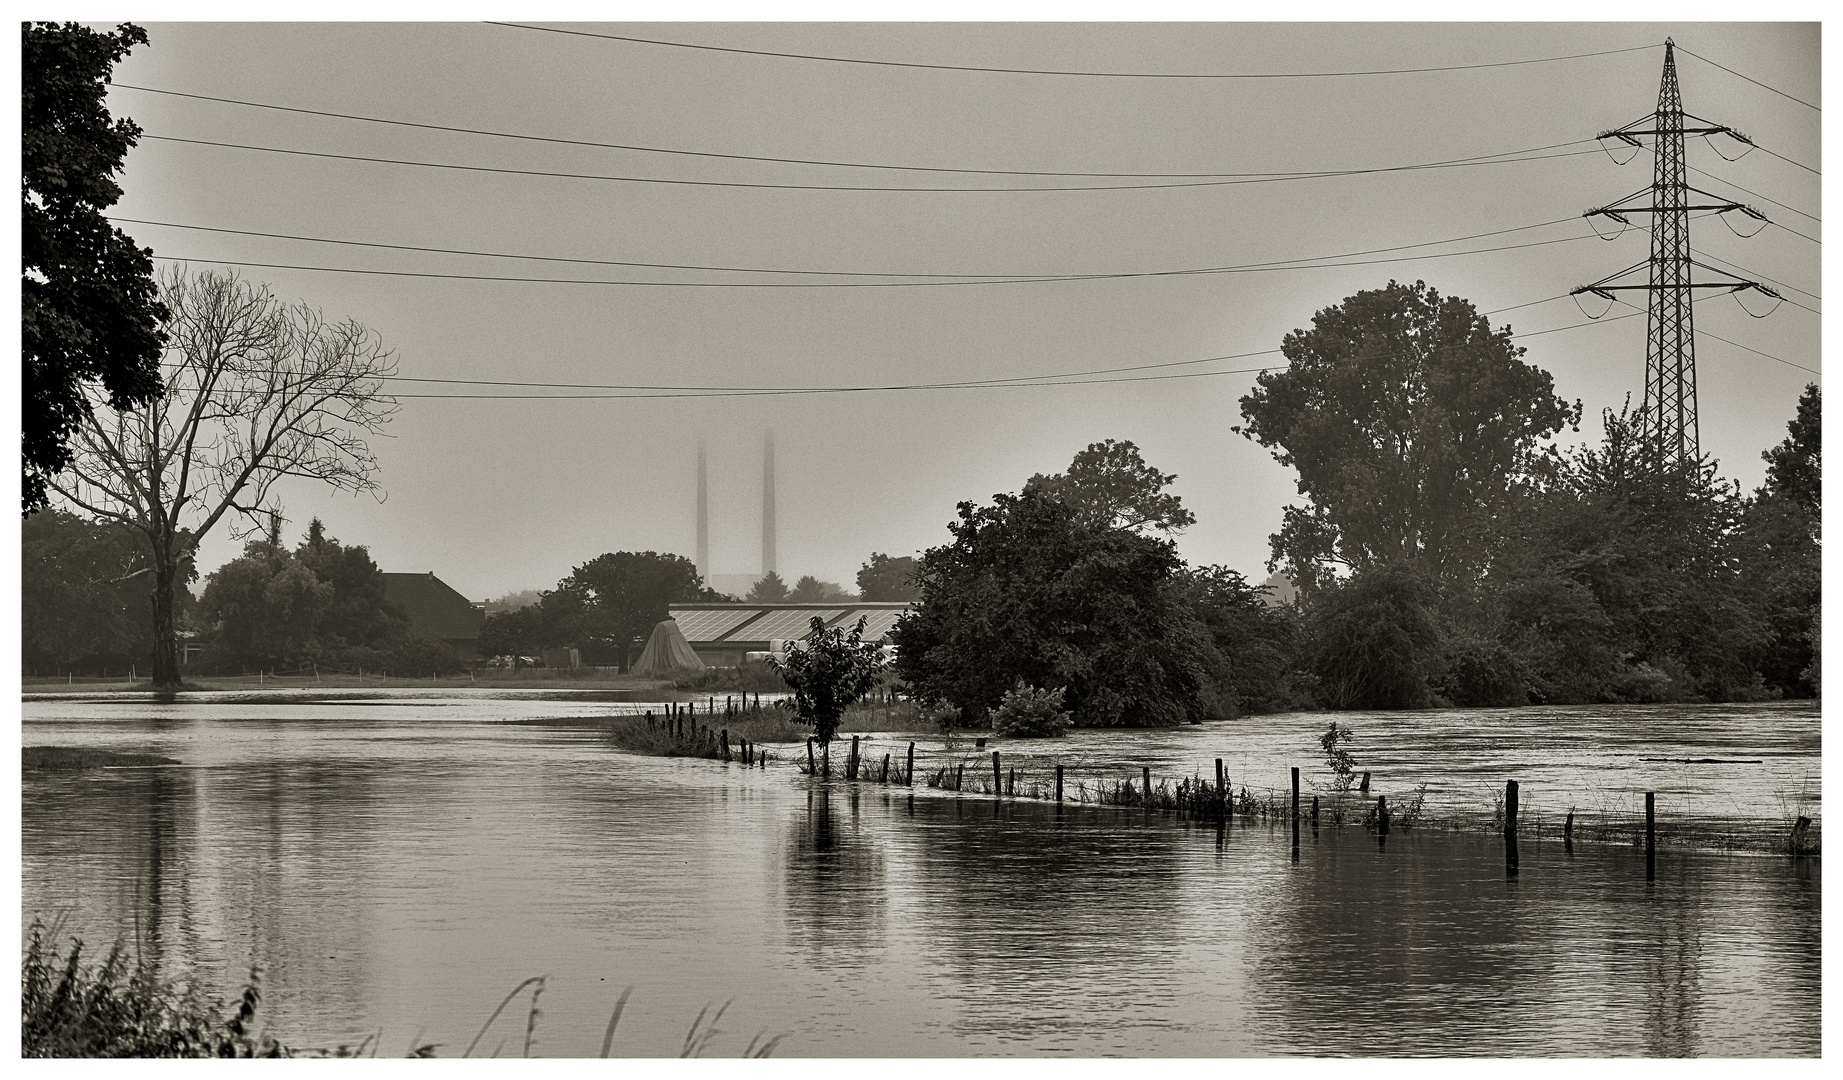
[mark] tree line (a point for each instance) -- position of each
(1447, 553)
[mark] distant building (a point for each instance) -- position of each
(722, 633)
(437, 611)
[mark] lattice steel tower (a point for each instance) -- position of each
(1670, 424)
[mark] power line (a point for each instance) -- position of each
(1084, 74)
(1755, 194)
(1002, 278)
(1637, 311)
(745, 157)
(1065, 379)
(1787, 160)
(837, 284)
(1487, 159)
(1754, 81)
(1755, 273)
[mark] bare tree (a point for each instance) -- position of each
(255, 390)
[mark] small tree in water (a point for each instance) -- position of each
(831, 671)
(1343, 766)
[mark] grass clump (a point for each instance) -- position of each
(686, 736)
(47, 758)
(119, 1009)
(745, 678)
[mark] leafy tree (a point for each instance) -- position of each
(266, 607)
(624, 594)
(88, 310)
(1410, 420)
(1377, 640)
(810, 590)
(518, 632)
(1109, 484)
(358, 613)
(1793, 468)
(1031, 589)
(83, 594)
(830, 672)
(258, 391)
(1026, 712)
(1256, 640)
(769, 590)
(888, 579)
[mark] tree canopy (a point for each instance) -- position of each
(886, 578)
(89, 314)
(1109, 484)
(1409, 419)
(769, 590)
(1033, 589)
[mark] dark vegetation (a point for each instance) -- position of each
(89, 310)
(605, 608)
(123, 1008)
(1448, 552)
(50, 758)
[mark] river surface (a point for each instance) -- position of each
(397, 862)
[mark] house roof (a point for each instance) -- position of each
(711, 624)
(434, 608)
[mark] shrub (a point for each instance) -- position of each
(1028, 713)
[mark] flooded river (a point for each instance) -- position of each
(398, 863)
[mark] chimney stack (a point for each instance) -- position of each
(768, 505)
(703, 516)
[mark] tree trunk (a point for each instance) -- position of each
(166, 630)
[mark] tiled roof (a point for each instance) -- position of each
(434, 609)
(710, 624)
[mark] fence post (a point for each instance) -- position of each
(1314, 815)
(959, 776)
(1059, 781)
(811, 770)
(1567, 831)
(1145, 783)
(1011, 783)
(1295, 809)
(908, 777)
(851, 763)
(998, 787)
(885, 778)
(1218, 778)
(1382, 815)
(724, 741)
(1650, 836)
(1510, 828)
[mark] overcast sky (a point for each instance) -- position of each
(495, 495)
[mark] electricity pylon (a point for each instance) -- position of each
(1672, 431)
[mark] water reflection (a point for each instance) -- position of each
(835, 894)
(406, 874)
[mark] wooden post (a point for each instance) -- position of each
(1145, 784)
(1295, 807)
(908, 776)
(1650, 835)
(1567, 829)
(811, 769)
(649, 719)
(1011, 783)
(1315, 814)
(851, 763)
(1382, 814)
(959, 776)
(885, 778)
(998, 788)
(1059, 781)
(1365, 786)
(724, 742)
(1219, 794)
(1510, 828)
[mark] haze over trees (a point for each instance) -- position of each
(89, 315)
(257, 390)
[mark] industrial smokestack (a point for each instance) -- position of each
(703, 516)
(768, 505)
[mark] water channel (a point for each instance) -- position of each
(398, 862)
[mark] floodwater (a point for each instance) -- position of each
(397, 863)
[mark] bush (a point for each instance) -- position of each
(1029, 713)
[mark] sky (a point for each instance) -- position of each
(495, 494)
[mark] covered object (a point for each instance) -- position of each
(667, 651)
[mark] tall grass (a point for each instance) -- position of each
(662, 736)
(746, 678)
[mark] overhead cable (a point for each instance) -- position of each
(745, 157)
(1488, 159)
(1082, 74)
(983, 279)
(839, 284)
(1754, 81)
